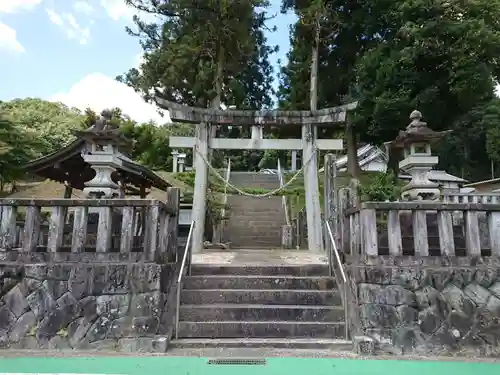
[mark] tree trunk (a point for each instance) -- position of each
(216, 101)
(353, 168)
(313, 88)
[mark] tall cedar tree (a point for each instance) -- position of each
(395, 56)
(204, 53)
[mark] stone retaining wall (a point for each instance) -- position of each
(106, 301)
(428, 305)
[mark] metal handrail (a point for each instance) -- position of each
(342, 274)
(187, 252)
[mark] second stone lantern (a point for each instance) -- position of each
(416, 142)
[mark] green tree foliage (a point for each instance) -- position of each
(198, 51)
(394, 56)
(17, 147)
(30, 128)
(150, 140)
(51, 123)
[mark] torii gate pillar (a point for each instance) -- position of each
(313, 209)
(199, 209)
(205, 118)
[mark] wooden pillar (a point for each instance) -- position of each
(200, 185)
(142, 191)
(294, 160)
(68, 190)
(313, 213)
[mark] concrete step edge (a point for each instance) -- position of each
(264, 340)
(259, 277)
(263, 290)
(266, 322)
(260, 306)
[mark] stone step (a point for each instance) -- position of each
(260, 270)
(264, 297)
(243, 241)
(239, 203)
(256, 234)
(237, 312)
(232, 329)
(286, 343)
(259, 282)
(259, 217)
(247, 235)
(251, 242)
(256, 226)
(255, 184)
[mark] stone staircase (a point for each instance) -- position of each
(261, 306)
(254, 222)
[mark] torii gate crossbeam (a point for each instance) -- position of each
(203, 119)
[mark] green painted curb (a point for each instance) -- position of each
(275, 366)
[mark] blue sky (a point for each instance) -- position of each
(71, 50)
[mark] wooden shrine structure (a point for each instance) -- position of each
(97, 162)
(204, 119)
(115, 214)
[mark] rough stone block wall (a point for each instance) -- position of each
(107, 301)
(429, 305)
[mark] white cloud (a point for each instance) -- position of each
(8, 39)
(68, 23)
(117, 9)
(98, 92)
(12, 6)
(83, 7)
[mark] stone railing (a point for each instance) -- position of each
(491, 198)
(423, 284)
(90, 225)
(384, 228)
(88, 274)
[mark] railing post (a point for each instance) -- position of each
(104, 230)
(472, 236)
(445, 230)
(394, 233)
(369, 231)
(8, 227)
(151, 232)
(127, 236)
(172, 219)
(57, 220)
(494, 229)
(31, 228)
(355, 234)
(79, 239)
(420, 237)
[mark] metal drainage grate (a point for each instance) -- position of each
(237, 361)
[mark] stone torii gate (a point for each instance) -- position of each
(204, 119)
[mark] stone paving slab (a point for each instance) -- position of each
(259, 257)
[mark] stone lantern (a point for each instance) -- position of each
(104, 144)
(181, 158)
(416, 143)
(175, 155)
